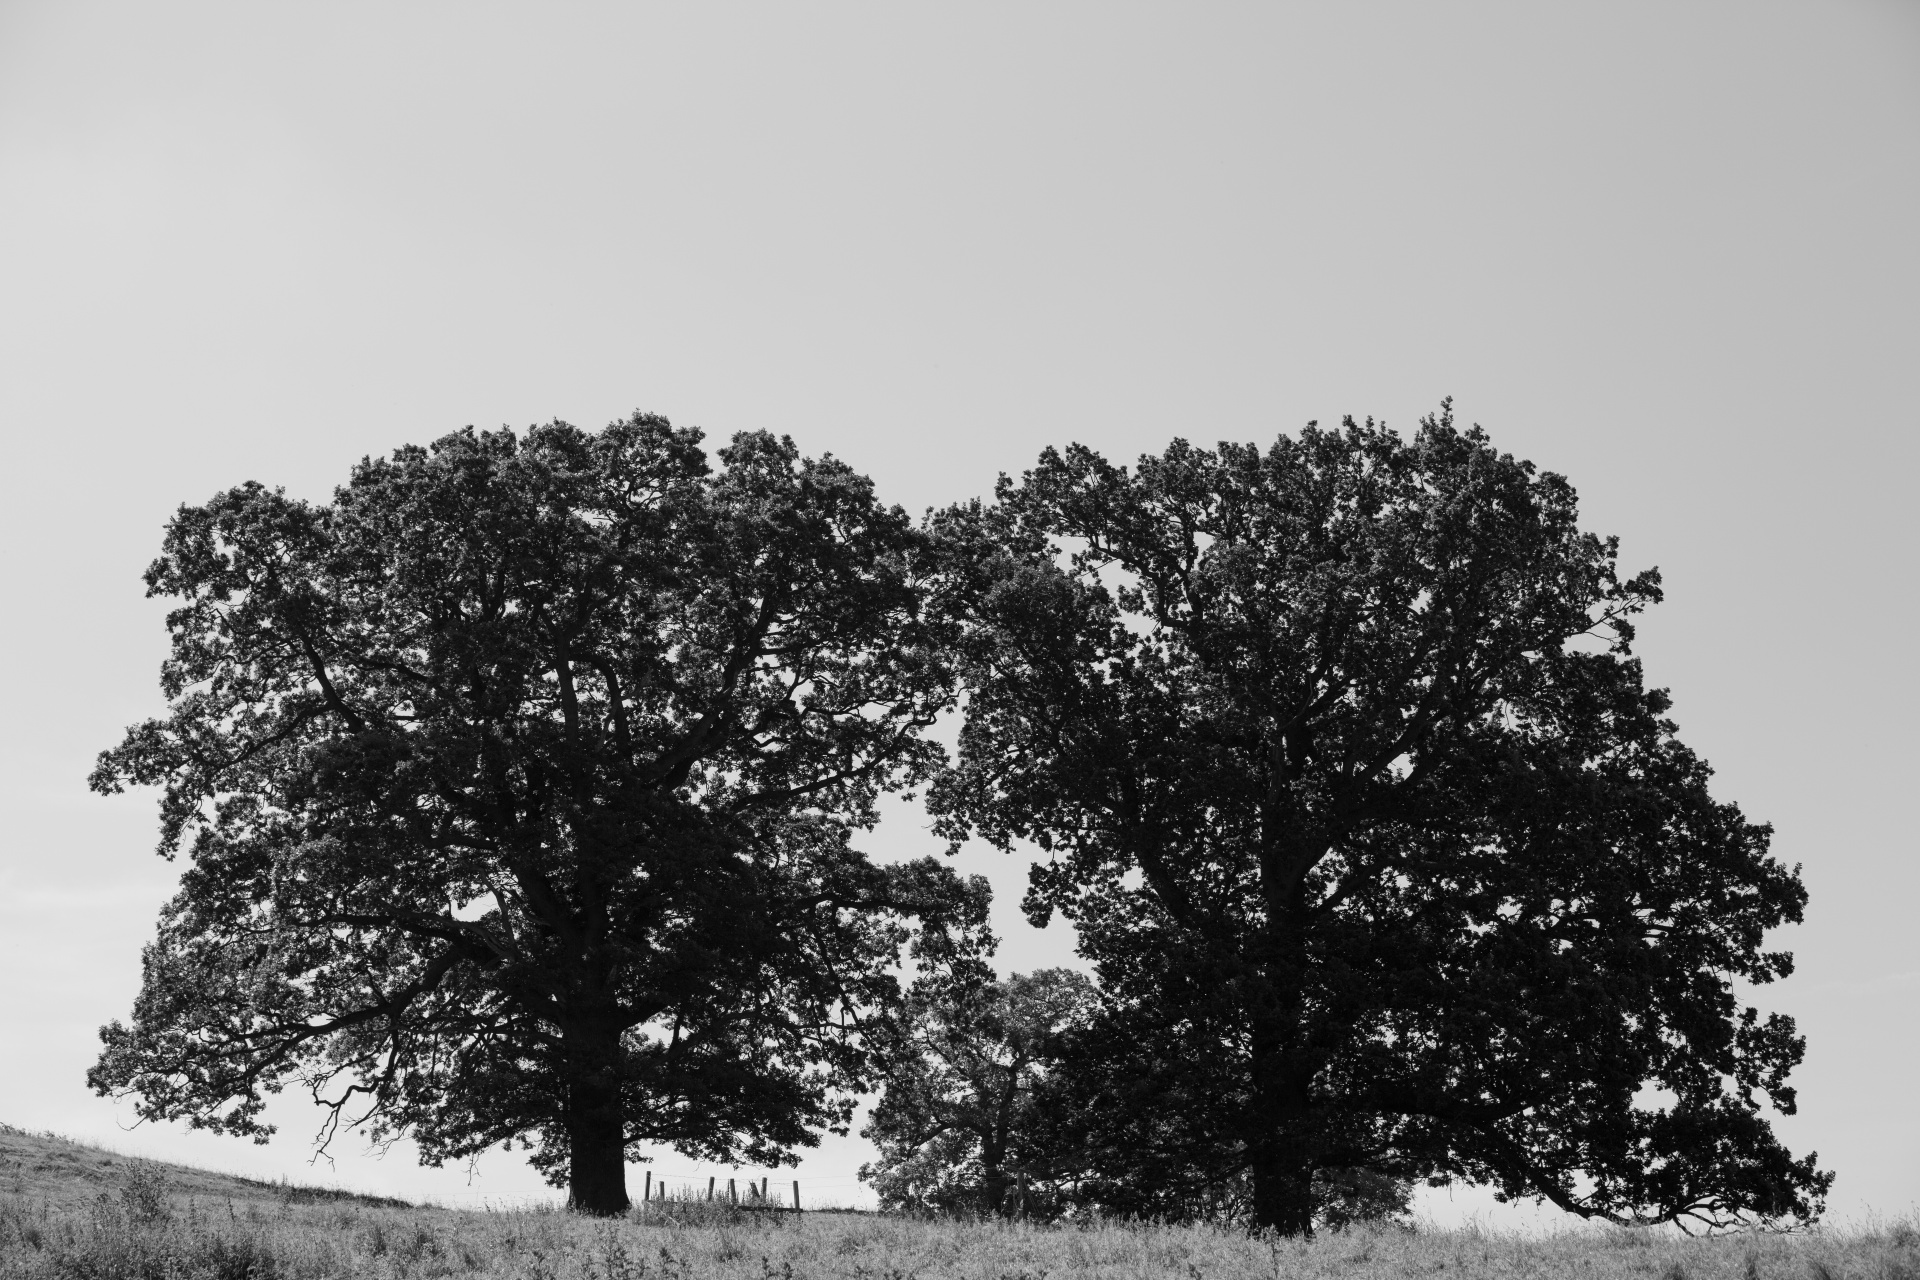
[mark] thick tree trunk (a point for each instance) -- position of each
(1283, 1196)
(994, 1175)
(997, 1138)
(1286, 1138)
(1284, 1149)
(596, 1124)
(1283, 1185)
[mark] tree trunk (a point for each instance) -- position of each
(1285, 1133)
(1283, 1151)
(1283, 1186)
(994, 1176)
(596, 1125)
(1285, 1137)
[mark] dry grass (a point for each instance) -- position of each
(153, 1222)
(64, 1174)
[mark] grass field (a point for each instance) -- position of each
(68, 1210)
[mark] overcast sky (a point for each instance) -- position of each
(1667, 249)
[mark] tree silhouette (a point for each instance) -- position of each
(518, 782)
(1386, 857)
(963, 1123)
(1115, 1122)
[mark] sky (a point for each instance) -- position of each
(1667, 250)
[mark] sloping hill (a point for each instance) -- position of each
(70, 1211)
(44, 1167)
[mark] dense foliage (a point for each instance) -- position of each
(519, 782)
(970, 1119)
(1388, 861)
(1000, 1099)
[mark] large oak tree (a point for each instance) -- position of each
(518, 782)
(1386, 856)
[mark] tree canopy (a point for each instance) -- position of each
(519, 783)
(969, 1116)
(1388, 860)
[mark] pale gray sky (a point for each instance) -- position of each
(1666, 248)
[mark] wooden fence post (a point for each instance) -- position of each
(710, 1189)
(647, 1194)
(763, 1191)
(796, 1195)
(733, 1196)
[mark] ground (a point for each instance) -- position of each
(69, 1210)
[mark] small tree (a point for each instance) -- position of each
(962, 1124)
(1384, 853)
(1349, 1197)
(519, 782)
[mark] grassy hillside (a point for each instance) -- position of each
(73, 1211)
(65, 1175)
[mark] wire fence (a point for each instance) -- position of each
(755, 1190)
